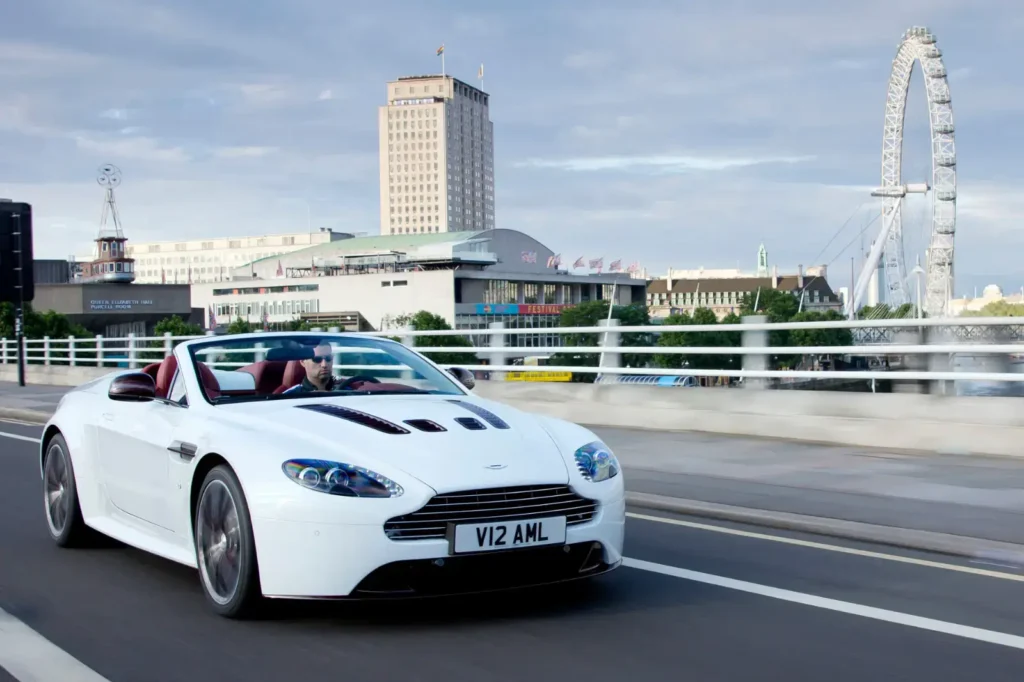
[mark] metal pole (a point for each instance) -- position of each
(19, 314)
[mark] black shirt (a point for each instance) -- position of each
(308, 387)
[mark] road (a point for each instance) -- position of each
(698, 601)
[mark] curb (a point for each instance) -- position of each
(904, 538)
(31, 416)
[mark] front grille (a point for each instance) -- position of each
(488, 505)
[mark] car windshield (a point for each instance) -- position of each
(283, 366)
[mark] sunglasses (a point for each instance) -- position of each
(317, 359)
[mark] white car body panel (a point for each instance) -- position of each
(311, 544)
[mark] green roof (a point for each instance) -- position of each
(380, 242)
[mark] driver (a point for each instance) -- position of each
(319, 371)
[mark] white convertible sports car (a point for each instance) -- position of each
(320, 465)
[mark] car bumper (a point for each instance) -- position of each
(310, 560)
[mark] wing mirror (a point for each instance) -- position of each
(133, 387)
(464, 376)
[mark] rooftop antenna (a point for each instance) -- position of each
(109, 177)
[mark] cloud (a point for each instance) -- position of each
(669, 133)
(131, 148)
(244, 152)
(658, 163)
(115, 114)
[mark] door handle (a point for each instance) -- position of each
(187, 451)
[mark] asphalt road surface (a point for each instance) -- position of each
(698, 601)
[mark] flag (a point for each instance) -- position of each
(529, 256)
(211, 318)
(596, 263)
(266, 320)
(554, 261)
(440, 50)
(280, 269)
(480, 73)
(615, 266)
(163, 276)
(579, 262)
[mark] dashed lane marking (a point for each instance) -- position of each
(830, 548)
(29, 657)
(931, 624)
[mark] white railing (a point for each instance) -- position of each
(927, 347)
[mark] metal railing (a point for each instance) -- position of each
(929, 349)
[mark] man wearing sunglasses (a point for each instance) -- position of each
(319, 371)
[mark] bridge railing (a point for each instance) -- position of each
(930, 347)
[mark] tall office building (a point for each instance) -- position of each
(436, 157)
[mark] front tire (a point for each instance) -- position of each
(225, 549)
(64, 517)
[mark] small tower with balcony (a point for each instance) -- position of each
(111, 263)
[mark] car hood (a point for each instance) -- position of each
(504, 447)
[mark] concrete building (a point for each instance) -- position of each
(471, 279)
(724, 295)
(214, 259)
(436, 157)
(117, 309)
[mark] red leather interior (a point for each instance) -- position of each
(209, 381)
(269, 375)
(294, 373)
(151, 369)
(164, 375)
(370, 387)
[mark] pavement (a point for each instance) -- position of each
(695, 601)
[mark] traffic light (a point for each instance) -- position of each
(17, 280)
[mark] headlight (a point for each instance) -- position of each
(596, 462)
(336, 478)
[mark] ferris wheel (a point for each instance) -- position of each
(917, 45)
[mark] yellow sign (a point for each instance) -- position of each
(538, 376)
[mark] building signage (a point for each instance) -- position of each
(119, 303)
(520, 308)
(538, 376)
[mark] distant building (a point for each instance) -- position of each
(723, 290)
(993, 293)
(436, 157)
(471, 279)
(214, 259)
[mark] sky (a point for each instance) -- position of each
(666, 133)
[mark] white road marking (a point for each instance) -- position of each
(954, 629)
(7, 420)
(18, 436)
(831, 548)
(29, 657)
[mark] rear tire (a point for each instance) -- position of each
(225, 549)
(64, 518)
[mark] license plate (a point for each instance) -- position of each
(490, 537)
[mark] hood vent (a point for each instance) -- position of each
(357, 417)
(425, 425)
(471, 423)
(488, 416)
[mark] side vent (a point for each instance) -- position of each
(488, 416)
(425, 425)
(357, 417)
(471, 423)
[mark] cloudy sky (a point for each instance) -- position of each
(673, 132)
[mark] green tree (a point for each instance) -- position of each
(176, 327)
(820, 337)
(39, 325)
(715, 339)
(428, 321)
(589, 314)
(997, 309)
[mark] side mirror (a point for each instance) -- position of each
(464, 376)
(133, 387)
